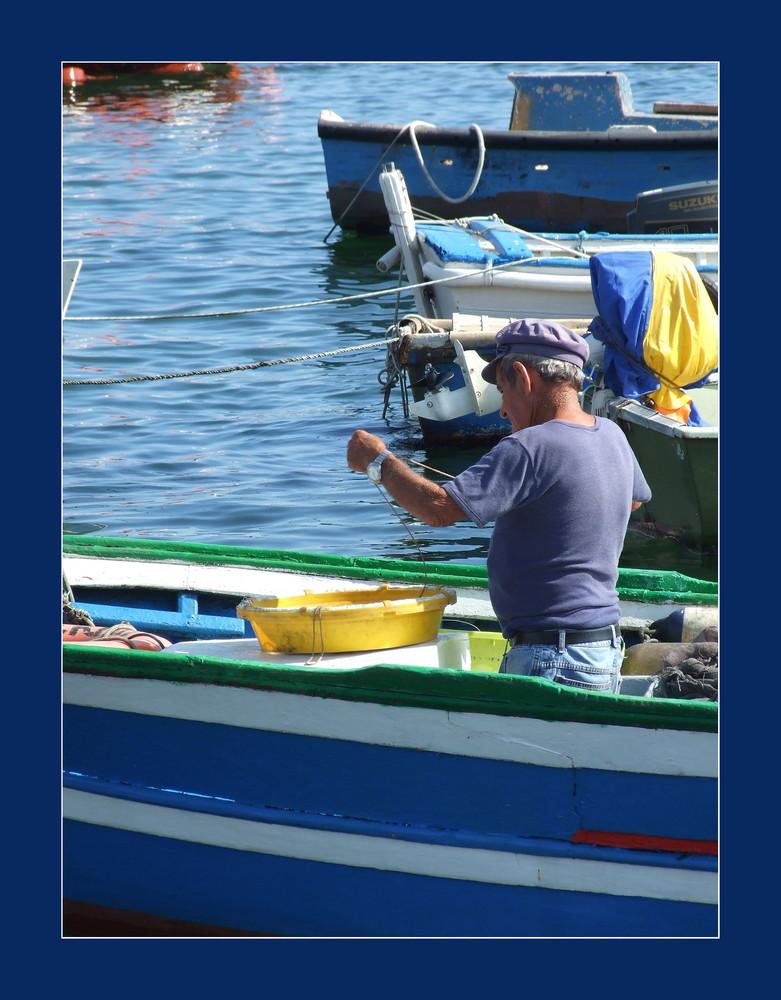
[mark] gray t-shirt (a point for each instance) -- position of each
(561, 496)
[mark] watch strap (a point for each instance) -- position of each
(376, 463)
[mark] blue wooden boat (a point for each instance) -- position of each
(575, 157)
(218, 788)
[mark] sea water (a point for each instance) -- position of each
(200, 213)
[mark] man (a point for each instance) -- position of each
(560, 489)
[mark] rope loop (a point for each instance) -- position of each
(317, 617)
(478, 172)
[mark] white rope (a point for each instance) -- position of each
(463, 223)
(296, 305)
(240, 312)
(480, 161)
(576, 252)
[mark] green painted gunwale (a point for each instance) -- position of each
(400, 685)
(650, 586)
(389, 684)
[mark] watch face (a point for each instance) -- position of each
(374, 473)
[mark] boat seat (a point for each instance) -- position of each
(186, 619)
(451, 243)
(508, 243)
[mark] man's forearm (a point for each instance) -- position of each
(423, 499)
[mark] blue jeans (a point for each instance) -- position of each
(588, 666)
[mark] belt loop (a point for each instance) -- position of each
(562, 639)
(614, 630)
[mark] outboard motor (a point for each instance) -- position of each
(683, 208)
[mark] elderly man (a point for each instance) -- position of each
(560, 489)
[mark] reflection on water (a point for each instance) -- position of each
(207, 196)
(153, 96)
(667, 554)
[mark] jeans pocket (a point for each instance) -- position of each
(591, 666)
(585, 682)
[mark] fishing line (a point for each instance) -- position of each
(432, 469)
(414, 540)
(405, 526)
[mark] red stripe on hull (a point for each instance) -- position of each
(641, 842)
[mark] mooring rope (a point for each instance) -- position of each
(235, 368)
(242, 312)
(411, 126)
(396, 290)
(373, 170)
(294, 305)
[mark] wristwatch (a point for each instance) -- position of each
(374, 471)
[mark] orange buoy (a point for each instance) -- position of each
(73, 74)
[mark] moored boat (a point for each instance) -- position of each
(218, 787)
(575, 157)
(484, 267)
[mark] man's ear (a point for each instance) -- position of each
(522, 377)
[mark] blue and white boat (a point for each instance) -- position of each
(482, 266)
(221, 788)
(575, 157)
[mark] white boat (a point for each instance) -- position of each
(481, 266)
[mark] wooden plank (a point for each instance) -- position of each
(675, 108)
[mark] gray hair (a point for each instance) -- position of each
(550, 369)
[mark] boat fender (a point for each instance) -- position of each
(685, 625)
(122, 635)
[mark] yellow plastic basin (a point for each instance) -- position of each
(347, 621)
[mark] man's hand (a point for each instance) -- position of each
(363, 449)
(423, 499)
